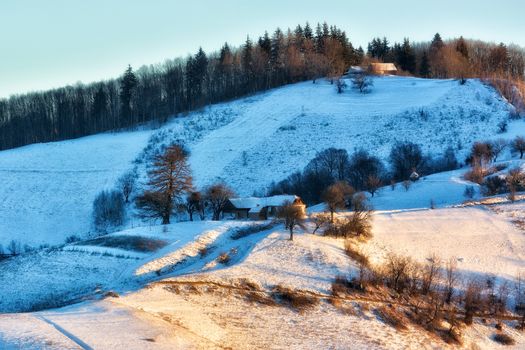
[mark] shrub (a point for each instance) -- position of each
(504, 339)
(475, 175)
(469, 192)
(14, 248)
(502, 126)
(108, 210)
(72, 239)
(355, 254)
(224, 258)
(405, 158)
(251, 229)
(494, 185)
(392, 317)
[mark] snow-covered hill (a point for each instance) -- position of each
(47, 190)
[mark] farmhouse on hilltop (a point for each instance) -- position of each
(256, 208)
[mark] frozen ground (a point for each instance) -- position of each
(196, 302)
(181, 295)
(47, 190)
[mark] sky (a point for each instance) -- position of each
(47, 44)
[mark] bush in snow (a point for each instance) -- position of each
(340, 85)
(337, 196)
(494, 185)
(498, 146)
(14, 248)
(518, 145)
(469, 192)
(362, 82)
(108, 210)
(126, 184)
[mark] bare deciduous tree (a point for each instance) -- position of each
(431, 273)
(498, 146)
(292, 215)
(217, 197)
(194, 204)
(518, 144)
(169, 179)
(319, 220)
(373, 183)
(451, 279)
(362, 82)
(126, 184)
(336, 197)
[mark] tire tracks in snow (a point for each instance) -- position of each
(67, 334)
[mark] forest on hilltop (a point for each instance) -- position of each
(156, 92)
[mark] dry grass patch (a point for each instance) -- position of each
(260, 298)
(504, 339)
(393, 317)
(135, 243)
(295, 299)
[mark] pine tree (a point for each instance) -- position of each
(437, 43)
(461, 47)
(308, 34)
(424, 68)
(265, 44)
(128, 83)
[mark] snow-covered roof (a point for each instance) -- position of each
(255, 204)
(354, 69)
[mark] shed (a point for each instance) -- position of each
(382, 68)
(260, 208)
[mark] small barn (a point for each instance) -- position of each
(260, 208)
(354, 70)
(382, 68)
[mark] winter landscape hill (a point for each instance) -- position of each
(48, 189)
(241, 284)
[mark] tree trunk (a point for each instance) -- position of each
(191, 215)
(165, 219)
(291, 233)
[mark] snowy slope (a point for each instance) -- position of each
(279, 132)
(47, 190)
(207, 308)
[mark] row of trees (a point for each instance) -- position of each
(169, 191)
(362, 171)
(155, 92)
(452, 58)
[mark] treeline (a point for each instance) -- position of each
(153, 93)
(454, 58)
(501, 65)
(362, 171)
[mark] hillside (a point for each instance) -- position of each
(179, 297)
(49, 188)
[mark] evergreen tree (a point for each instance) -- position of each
(461, 47)
(128, 83)
(308, 34)
(424, 68)
(265, 44)
(437, 43)
(100, 107)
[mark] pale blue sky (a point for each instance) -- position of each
(45, 44)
